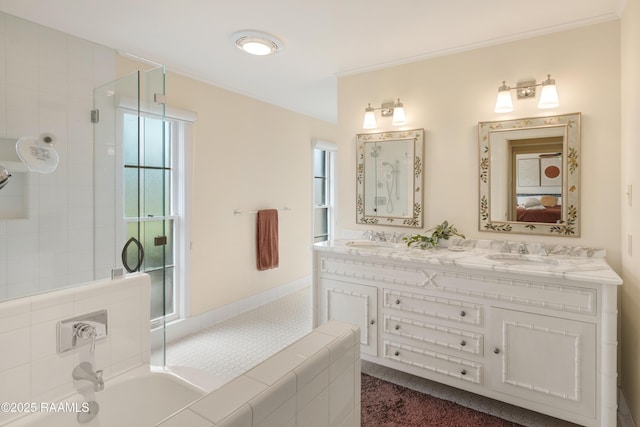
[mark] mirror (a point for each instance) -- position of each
(389, 178)
(530, 175)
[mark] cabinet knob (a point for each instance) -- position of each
(463, 313)
(463, 343)
(397, 353)
(372, 322)
(397, 327)
(397, 301)
(496, 350)
(463, 372)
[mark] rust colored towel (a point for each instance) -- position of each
(267, 239)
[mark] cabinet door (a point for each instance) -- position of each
(544, 359)
(352, 303)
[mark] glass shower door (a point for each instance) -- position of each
(133, 176)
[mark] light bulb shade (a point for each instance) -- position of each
(504, 103)
(399, 117)
(369, 119)
(548, 95)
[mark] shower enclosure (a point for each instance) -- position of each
(132, 199)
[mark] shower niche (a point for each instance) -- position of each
(14, 195)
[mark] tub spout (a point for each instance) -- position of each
(84, 371)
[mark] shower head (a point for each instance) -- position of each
(4, 177)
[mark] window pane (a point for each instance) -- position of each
(319, 162)
(131, 193)
(319, 191)
(156, 145)
(130, 139)
(157, 288)
(320, 226)
(156, 195)
(154, 256)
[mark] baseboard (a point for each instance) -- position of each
(191, 325)
(624, 415)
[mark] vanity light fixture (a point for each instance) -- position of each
(257, 42)
(527, 89)
(387, 109)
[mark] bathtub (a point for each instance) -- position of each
(137, 398)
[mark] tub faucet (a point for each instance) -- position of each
(84, 371)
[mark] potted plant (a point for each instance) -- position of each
(440, 232)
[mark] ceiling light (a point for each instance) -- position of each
(257, 43)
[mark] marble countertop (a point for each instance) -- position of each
(559, 261)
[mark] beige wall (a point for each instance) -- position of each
(449, 95)
(630, 309)
(248, 155)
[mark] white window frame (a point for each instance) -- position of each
(331, 150)
(181, 163)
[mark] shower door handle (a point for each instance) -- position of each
(125, 263)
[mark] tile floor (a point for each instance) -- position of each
(228, 349)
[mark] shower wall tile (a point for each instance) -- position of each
(22, 40)
(31, 369)
(46, 85)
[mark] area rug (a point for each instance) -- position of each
(385, 404)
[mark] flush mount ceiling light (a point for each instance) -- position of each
(387, 109)
(257, 43)
(524, 90)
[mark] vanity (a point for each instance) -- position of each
(536, 329)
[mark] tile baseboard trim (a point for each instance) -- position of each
(183, 327)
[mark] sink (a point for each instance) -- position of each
(373, 243)
(521, 259)
(361, 243)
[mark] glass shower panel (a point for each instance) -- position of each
(158, 227)
(110, 232)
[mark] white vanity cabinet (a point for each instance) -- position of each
(544, 343)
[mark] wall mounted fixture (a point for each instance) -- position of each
(38, 154)
(527, 89)
(257, 42)
(387, 109)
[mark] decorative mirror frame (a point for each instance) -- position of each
(571, 185)
(415, 220)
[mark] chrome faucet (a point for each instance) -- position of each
(84, 371)
(522, 248)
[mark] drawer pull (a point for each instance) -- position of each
(463, 343)
(397, 327)
(463, 372)
(397, 353)
(397, 301)
(463, 313)
(372, 322)
(496, 350)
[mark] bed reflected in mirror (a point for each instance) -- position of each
(529, 175)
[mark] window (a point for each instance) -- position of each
(154, 206)
(323, 191)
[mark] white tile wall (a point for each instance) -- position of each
(46, 84)
(313, 382)
(31, 369)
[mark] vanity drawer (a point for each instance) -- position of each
(438, 335)
(521, 291)
(436, 307)
(433, 362)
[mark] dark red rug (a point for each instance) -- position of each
(385, 404)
